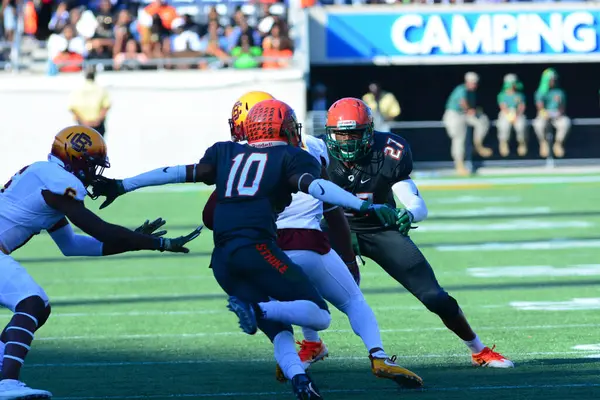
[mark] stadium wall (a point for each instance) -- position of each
(157, 118)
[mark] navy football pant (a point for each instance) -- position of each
(261, 272)
(400, 257)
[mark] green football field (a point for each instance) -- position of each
(520, 254)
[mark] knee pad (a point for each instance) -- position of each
(441, 303)
(324, 319)
(36, 307)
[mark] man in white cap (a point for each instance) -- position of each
(461, 112)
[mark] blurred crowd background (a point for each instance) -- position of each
(123, 34)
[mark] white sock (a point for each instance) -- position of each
(310, 335)
(286, 355)
(298, 312)
(379, 354)
(475, 345)
(363, 322)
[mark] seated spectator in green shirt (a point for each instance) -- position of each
(246, 54)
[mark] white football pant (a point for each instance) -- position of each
(329, 274)
(16, 284)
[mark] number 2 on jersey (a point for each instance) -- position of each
(245, 188)
(395, 153)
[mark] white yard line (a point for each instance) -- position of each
(568, 244)
(114, 337)
(287, 393)
(464, 355)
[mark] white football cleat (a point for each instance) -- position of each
(11, 389)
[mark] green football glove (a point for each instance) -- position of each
(177, 245)
(386, 214)
(405, 219)
(149, 228)
(109, 188)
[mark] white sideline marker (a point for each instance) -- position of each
(476, 200)
(538, 245)
(488, 211)
(577, 304)
(593, 348)
(534, 271)
(520, 225)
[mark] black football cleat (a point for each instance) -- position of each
(304, 388)
(245, 313)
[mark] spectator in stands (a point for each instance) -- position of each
(155, 39)
(550, 101)
(246, 55)
(191, 25)
(123, 32)
(384, 104)
(461, 111)
(60, 18)
(277, 52)
(512, 115)
(164, 11)
(131, 58)
(184, 43)
(103, 41)
(67, 40)
(9, 8)
(90, 103)
(242, 28)
(67, 60)
(214, 45)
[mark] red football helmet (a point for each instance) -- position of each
(240, 110)
(273, 121)
(349, 129)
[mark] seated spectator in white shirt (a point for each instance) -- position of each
(67, 39)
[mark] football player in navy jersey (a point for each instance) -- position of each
(375, 166)
(254, 182)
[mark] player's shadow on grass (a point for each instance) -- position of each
(119, 374)
(368, 291)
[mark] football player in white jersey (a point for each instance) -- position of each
(300, 236)
(40, 197)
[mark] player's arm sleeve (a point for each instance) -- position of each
(302, 171)
(204, 171)
(407, 192)
(156, 177)
(116, 239)
(71, 244)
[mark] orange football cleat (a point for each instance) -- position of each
(310, 352)
(491, 359)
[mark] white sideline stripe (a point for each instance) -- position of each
(534, 271)
(329, 331)
(475, 200)
(261, 394)
(265, 360)
(132, 296)
(486, 211)
(520, 225)
(539, 245)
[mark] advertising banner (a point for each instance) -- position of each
(456, 35)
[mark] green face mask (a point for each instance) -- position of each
(345, 149)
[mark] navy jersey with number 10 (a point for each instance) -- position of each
(252, 188)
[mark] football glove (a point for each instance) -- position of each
(109, 188)
(405, 219)
(149, 228)
(356, 248)
(177, 245)
(386, 214)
